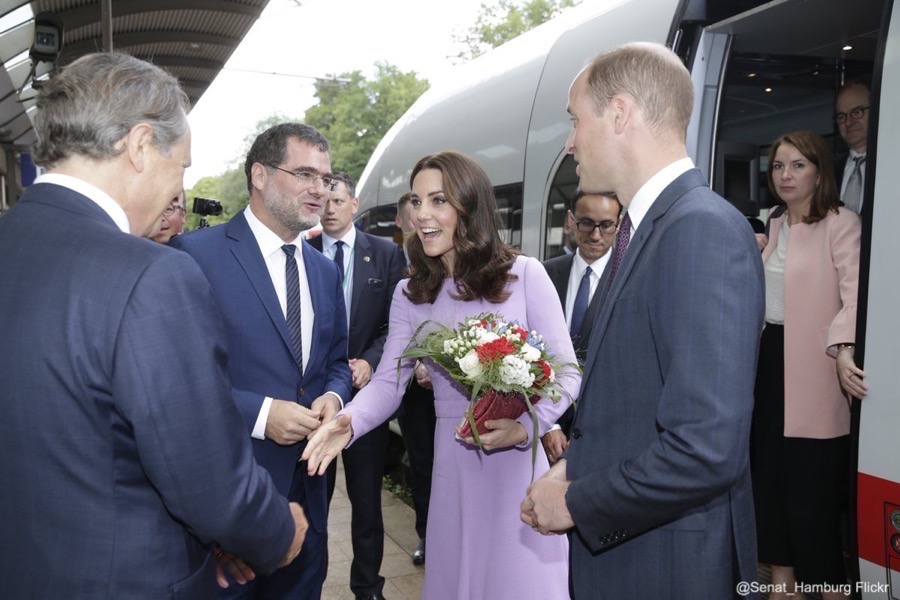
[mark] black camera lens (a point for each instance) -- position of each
(207, 207)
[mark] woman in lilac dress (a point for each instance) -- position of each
(477, 545)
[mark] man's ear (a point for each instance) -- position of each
(259, 175)
(137, 143)
(622, 109)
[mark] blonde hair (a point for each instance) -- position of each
(653, 76)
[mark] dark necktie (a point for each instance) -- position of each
(292, 280)
(622, 239)
(579, 308)
(853, 193)
(339, 257)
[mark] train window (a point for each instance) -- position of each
(562, 189)
(380, 221)
(509, 208)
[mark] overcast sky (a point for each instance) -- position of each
(316, 38)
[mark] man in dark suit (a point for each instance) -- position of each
(286, 328)
(852, 109)
(592, 219)
(656, 480)
(120, 449)
(371, 267)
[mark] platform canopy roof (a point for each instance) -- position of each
(192, 39)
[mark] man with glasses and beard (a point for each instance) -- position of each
(286, 327)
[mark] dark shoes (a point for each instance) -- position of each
(419, 555)
(369, 597)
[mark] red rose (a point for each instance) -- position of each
(546, 371)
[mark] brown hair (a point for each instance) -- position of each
(483, 260)
(811, 145)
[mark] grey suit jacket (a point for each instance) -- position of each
(659, 461)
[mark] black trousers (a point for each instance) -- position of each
(417, 422)
(363, 473)
(799, 484)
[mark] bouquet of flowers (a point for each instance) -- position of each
(505, 367)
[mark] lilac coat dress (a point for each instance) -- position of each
(477, 545)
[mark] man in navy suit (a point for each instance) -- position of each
(286, 328)
(121, 452)
(655, 484)
(593, 220)
(371, 268)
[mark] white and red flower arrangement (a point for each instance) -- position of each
(499, 362)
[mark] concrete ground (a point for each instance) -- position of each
(403, 579)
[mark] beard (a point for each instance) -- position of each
(289, 212)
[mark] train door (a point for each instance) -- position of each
(777, 68)
(878, 337)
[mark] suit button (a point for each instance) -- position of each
(576, 433)
(300, 392)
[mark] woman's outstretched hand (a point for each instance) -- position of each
(326, 443)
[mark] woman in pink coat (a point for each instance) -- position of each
(801, 422)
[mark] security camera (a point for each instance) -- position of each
(48, 37)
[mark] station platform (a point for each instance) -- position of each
(404, 580)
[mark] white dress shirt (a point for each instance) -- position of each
(650, 191)
(329, 249)
(95, 194)
(275, 259)
(576, 273)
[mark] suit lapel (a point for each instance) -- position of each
(318, 288)
(362, 266)
(560, 278)
(247, 253)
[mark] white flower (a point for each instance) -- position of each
(487, 337)
(530, 353)
(470, 364)
(514, 371)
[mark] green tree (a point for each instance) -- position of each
(498, 23)
(356, 113)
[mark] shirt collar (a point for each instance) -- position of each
(579, 264)
(268, 241)
(92, 192)
(349, 239)
(650, 191)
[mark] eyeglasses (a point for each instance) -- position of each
(170, 209)
(308, 178)
(855, 114)
(588, 226)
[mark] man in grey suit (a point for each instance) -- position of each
(593, 220)
(121, 452)
(656, 481)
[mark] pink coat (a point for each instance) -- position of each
(820, 295)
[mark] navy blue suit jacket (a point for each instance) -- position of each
(377, 268)
(261, 359)
(558, 268)
(659, 455)
(122, 455)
